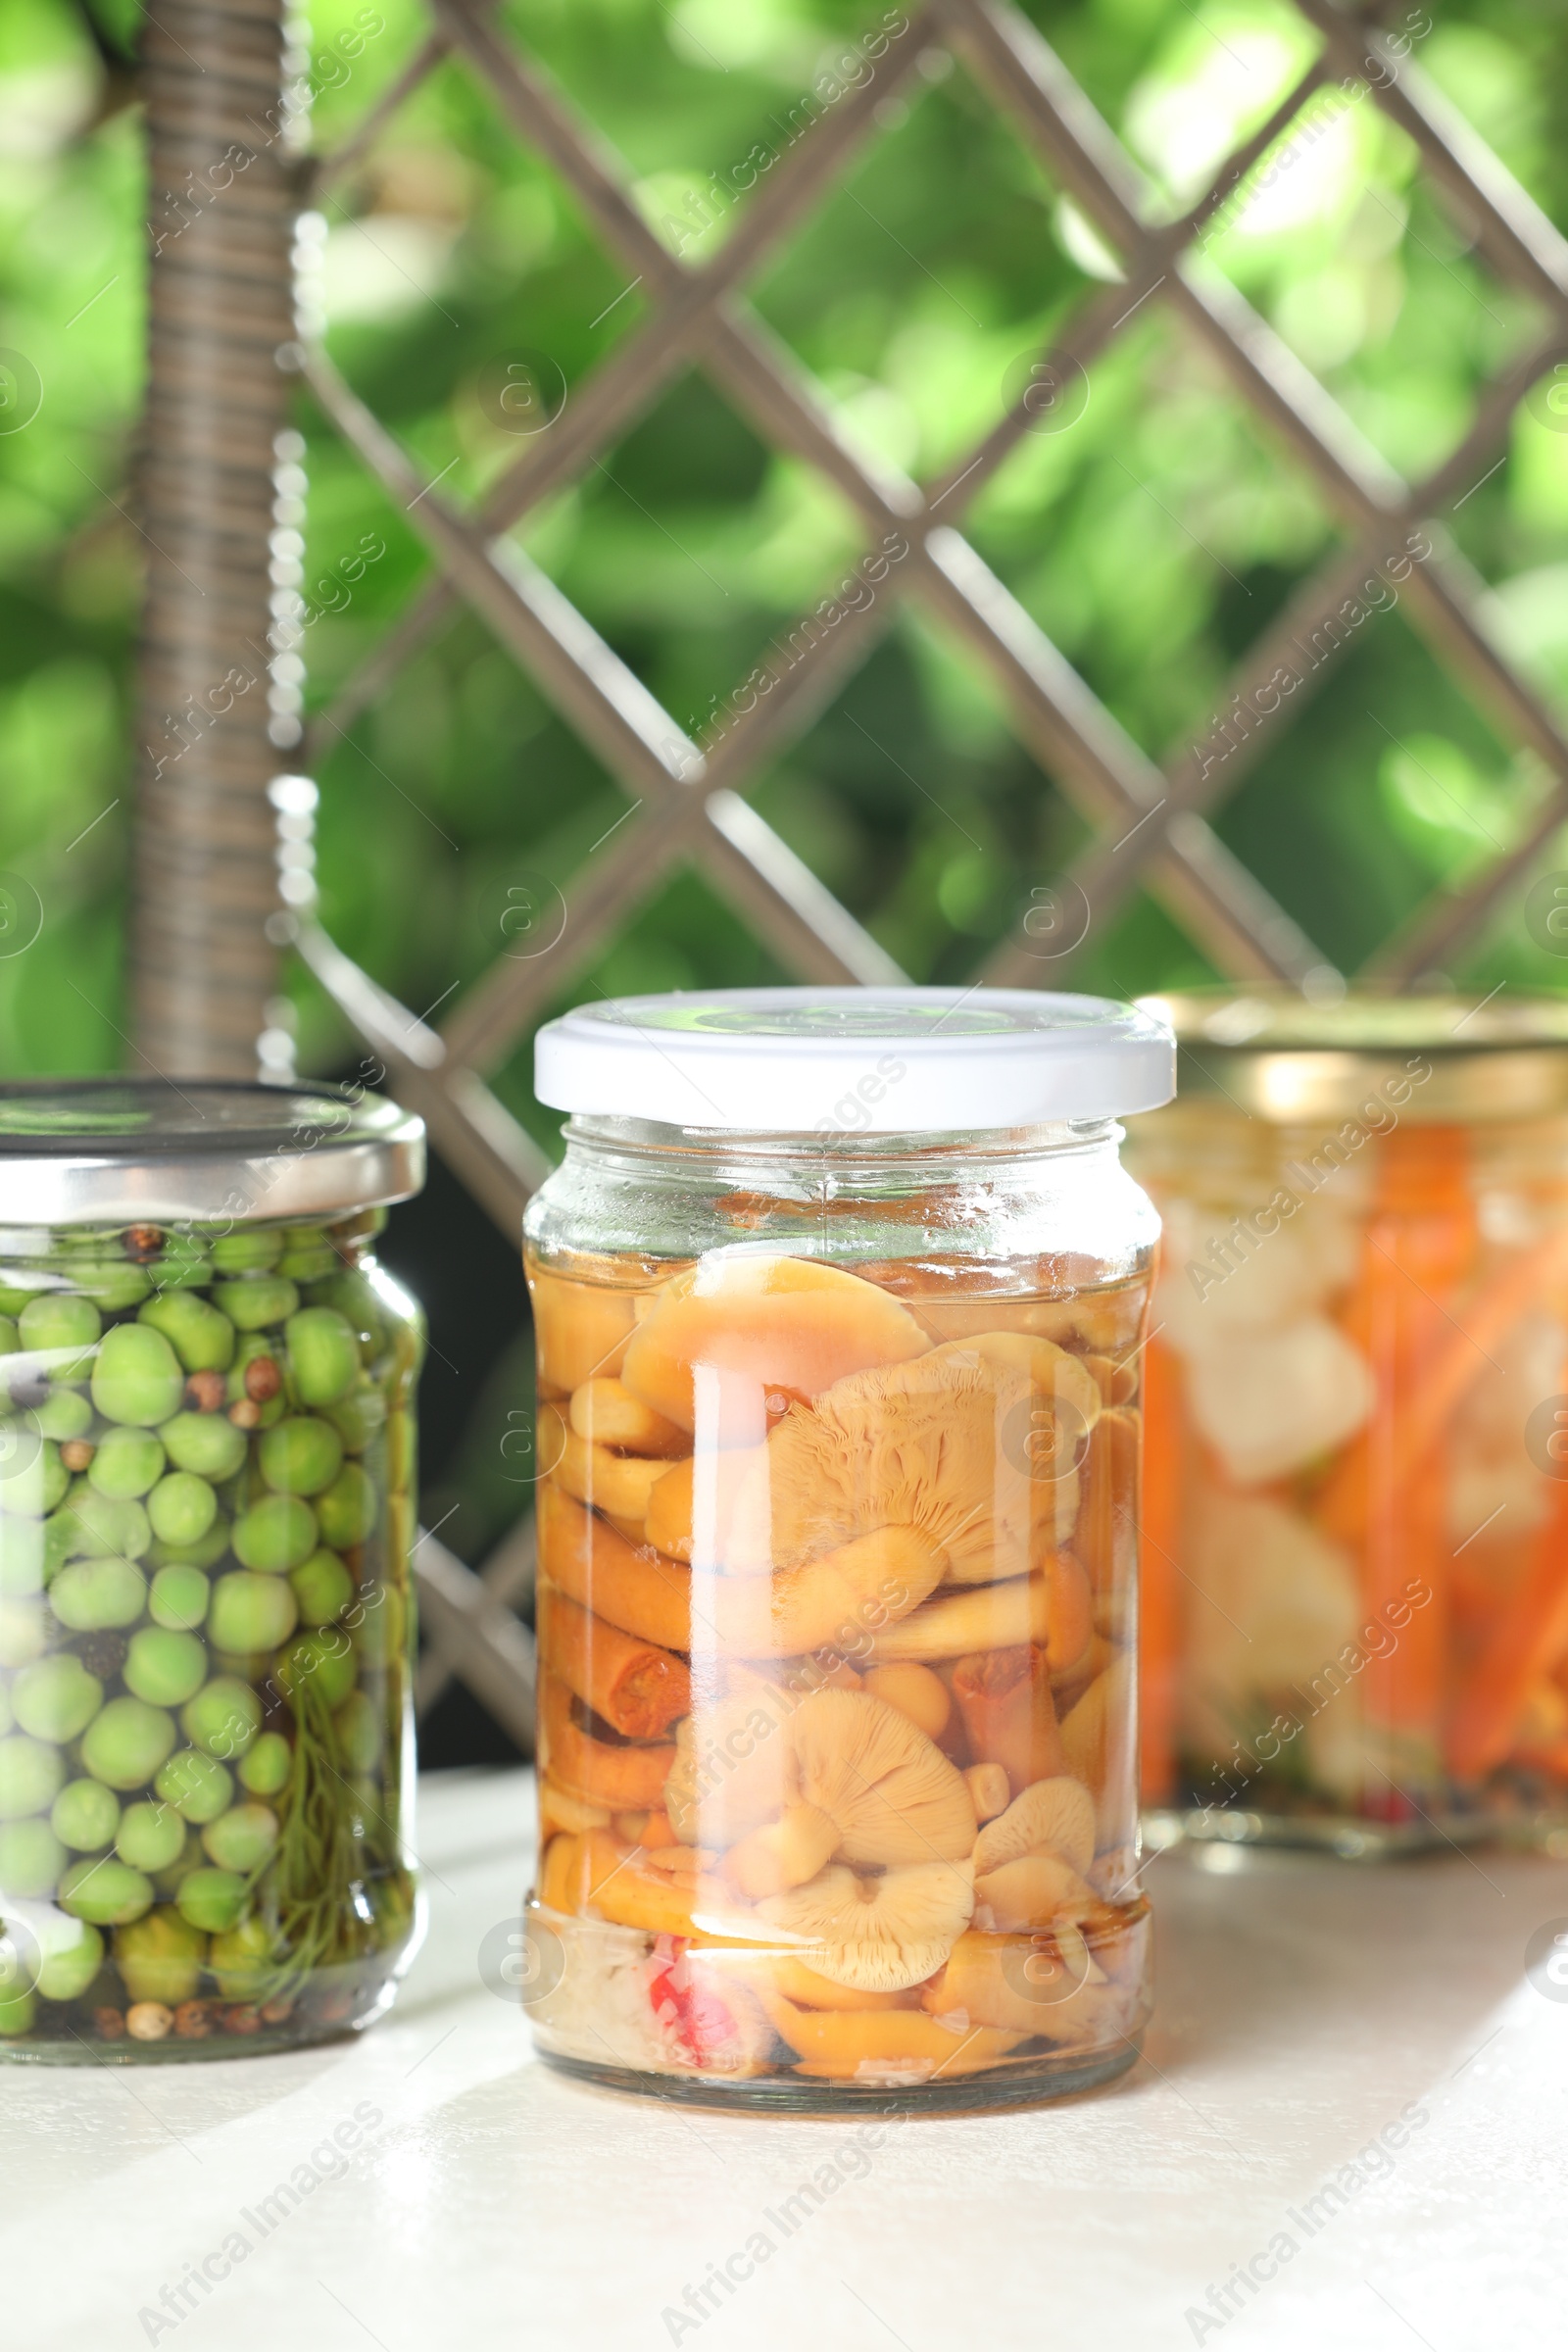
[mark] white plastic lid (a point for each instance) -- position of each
(835, 1060)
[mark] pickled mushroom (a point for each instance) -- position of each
(1009, 1716)
(827, 1602)
(888, 2046)
(1051, 1608)
(1030, 1891)
(601, 1772)
(758, 1323)
(670, 1518)
(917, 1693)
(880, 1933)
(605, 1412)
(581, 1328)
(887, 1792)
(1027, 1985)
(976, 1444)
(1051, 1817)
(616, 1483)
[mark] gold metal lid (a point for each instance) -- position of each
(1439, 1057)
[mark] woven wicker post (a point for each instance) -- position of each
(220, 215)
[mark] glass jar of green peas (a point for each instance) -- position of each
(206, 1502)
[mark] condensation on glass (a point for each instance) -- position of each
(1356, 1592)
(838, 1443)
(206, 1465)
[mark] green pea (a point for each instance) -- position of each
(265, 1771)
(128, 1462)
(198, 1786)
(275, 1535)
(358, 1418)
(208, 1444)
(164, 1668)
(73, 1953)
(300, 1455)
(248, 1249)
(307, 1257)
(21, 1469)
(212, 1899)
(353, 1296)
(107, 1893)
(201, 1337)
(223, 1718)
(65, 1413)
(19, 2012)
(54, 1478)
(160, 1957)
(61, 1327)
(377, 1623)
(112, 1283)
(22, 1555)
(150, 1837)
(205, 1555)
(257, 1304)
(181, 1507)
(22, 1637)
(31, 1859)
(138, 1376)
(86, 1815)
(56, 1699)
(181, 1271)
(241, 1838)
(178, 1598)
(100, 1523)
(190, 1857)
(359, 1730)
(346, 1513)
(251, 1613)
(323, 1354)
(327, 1656)
(31, 1776)
(323, 1588)
(124, 1745)
(92, 1595)
(244, 1961)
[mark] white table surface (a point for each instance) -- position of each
(1303, 2005)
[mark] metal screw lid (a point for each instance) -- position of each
(132, 1150)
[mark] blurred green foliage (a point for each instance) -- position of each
(1153, 539)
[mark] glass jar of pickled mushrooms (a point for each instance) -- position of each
(206, 1516)
(839, 1299)
(1355, 1567)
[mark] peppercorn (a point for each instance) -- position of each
(204, 1393)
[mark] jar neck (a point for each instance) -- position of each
(838, 1160)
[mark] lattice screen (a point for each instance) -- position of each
(1150, 824)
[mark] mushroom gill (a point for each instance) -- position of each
(976, 1444)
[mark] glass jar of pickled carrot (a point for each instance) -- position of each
(839, 1299)
(1356, 1532)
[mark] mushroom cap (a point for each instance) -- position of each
(976, 1444)
(1050, 1816)
(880, 1933)
(1031, 1891)
(891, 1794)
(757, 1322)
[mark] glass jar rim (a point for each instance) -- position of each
(1443, 1057)
(151, 1151)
